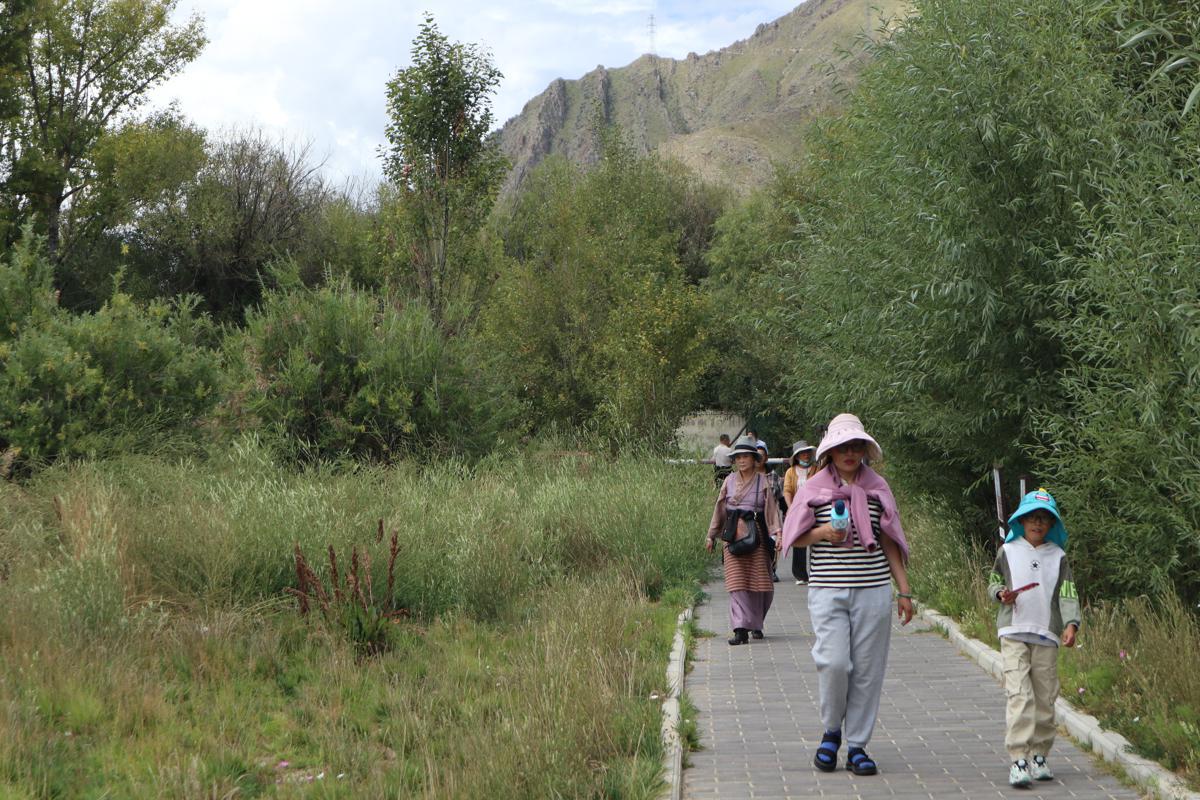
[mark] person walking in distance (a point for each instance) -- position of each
(847, 517)
(776, 482)
(793, 480)
(722, 458)
(745, 506)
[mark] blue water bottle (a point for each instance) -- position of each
(839, 518)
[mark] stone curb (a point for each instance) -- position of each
(672, 744)
(1084, 728)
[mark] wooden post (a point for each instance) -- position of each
(1001, 517)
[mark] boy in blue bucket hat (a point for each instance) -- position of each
(1039, 607)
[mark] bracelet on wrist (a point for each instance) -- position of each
(905, 595)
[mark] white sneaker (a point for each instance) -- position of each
(1039, 771)
(1018, 774)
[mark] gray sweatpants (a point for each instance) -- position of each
(853, 629)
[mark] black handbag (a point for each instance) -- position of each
(743, 529)
(746, 532)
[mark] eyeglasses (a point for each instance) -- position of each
(854, 445)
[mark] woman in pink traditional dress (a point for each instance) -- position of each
(748, 576)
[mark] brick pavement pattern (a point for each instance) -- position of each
(940, 731)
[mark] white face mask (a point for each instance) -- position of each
(804, 462)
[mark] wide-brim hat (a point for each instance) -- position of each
(846, 428)
(746, 445)
(799, 447)
(1032, 501)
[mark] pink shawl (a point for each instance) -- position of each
(827, 486)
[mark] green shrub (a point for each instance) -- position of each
(107, 382)
(27, 295)
(598, 319)
(338, 372)
(748, 242)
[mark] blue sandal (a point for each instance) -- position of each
(858, 762)
(826, 757)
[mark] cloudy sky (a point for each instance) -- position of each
(314, 71)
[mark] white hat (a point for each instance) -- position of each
(847, 428)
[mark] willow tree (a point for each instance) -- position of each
(444, 168)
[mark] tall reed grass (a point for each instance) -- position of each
(947, 564)
(1138, 670)
(147, 648)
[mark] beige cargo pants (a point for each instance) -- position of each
(1031, 682)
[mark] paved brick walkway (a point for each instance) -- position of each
(940, 731)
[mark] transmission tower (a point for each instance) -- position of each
(653, 52)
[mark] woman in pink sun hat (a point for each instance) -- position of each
(847, 517)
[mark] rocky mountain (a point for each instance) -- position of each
(728, 114)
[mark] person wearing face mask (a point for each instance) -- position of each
(793, 480)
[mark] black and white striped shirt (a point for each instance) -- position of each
(834, 567)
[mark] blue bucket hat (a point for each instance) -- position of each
(1032, 502)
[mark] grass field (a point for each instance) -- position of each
(148, 647)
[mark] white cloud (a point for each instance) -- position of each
(312, 70)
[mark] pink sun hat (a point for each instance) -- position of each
(846, 428)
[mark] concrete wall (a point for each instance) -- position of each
(697, 434)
